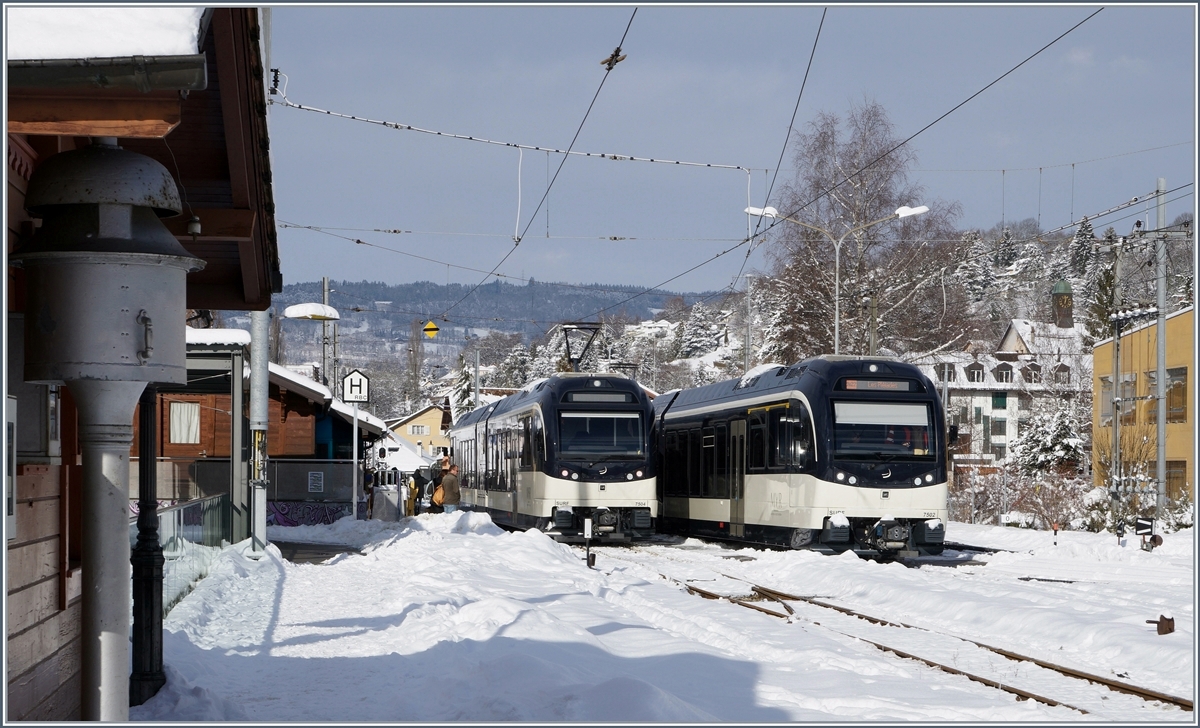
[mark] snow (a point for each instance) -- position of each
(445, 617)
(755, 373)
(312, 312)
(81, 32)
(214, 337)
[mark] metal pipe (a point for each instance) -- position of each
(748, 329)
(1160, 373)
(105, 436)
(260, 333)
(324, 333)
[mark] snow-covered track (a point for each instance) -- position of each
(1021, 675)
(1115, 685)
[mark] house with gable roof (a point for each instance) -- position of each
(991, 391)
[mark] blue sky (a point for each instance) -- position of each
(704, 84)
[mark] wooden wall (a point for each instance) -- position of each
(291, 426)
(42, 578)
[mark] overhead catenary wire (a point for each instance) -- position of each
(782, 150)
(519, 279)
(925, 128)
(397, 231)
(615, 58)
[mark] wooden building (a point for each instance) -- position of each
(201, 112)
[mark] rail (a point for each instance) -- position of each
(786, 612)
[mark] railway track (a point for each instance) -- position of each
(1027, 677)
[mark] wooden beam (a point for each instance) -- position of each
(233, 104)
(223, 224)
(124, 116)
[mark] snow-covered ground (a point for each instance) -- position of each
(448, 618)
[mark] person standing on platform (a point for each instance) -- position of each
(450, 490)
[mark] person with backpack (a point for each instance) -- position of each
(451, 494)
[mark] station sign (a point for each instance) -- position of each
(356, 387)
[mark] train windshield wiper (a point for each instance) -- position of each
(615, 456)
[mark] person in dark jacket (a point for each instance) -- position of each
(451, 494)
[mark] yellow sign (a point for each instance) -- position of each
(431, 329)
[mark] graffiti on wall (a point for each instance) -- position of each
(304, 513)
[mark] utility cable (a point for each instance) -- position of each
(613, 60)
(515, 279)
(783, 149)
(672, 278)
(396, 231)
(923, 129)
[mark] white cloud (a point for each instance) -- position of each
(1129, 65)
(1080, 57)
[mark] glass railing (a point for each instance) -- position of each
(191, 535)
(299, 491)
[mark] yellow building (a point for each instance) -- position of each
(1139, 441)
(426, 429)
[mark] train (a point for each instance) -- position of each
(834, 453)
(565, 453)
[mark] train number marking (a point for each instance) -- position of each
(640, 503)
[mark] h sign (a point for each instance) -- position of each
(356, 387)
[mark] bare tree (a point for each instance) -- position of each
(852, 172)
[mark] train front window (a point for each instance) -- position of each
(882, 430)
(588, 434)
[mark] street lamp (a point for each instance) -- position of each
(314, 312)
(771, 212)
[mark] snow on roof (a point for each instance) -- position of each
(235, 337)
(281, 376)
(90, 32)
(1044, 338)
(757, 371)
(366, 420)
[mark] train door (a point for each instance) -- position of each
(737, 478)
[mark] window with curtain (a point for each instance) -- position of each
(185, 423)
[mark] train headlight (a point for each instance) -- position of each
(853, 480)
(638, 473)
(929, 478)
(574, 476)
(917, 481)
(629, 476)
(566, 472)
(841, 476)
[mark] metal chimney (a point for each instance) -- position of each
(105, 312)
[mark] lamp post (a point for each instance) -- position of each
(314, 312)
(900, 212)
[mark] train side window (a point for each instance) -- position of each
(675, 483)
(778, 437)
(756, 445)
(695, 463)
(708, 456)
(526, 445)
(801, 438)
(721, 462)
(538, 437)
